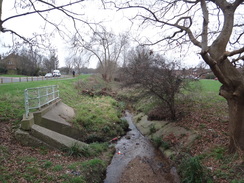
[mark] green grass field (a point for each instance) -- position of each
(209, 85)
(205, 90)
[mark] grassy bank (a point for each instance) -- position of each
(98, 116)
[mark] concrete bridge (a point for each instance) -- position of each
(50, 127)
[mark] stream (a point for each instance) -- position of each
(132, 145)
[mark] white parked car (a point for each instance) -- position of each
(56, 73)
(49, 75)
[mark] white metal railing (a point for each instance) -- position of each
(37, 97)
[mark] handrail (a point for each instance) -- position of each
(37, 97)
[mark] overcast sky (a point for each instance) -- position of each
(93, 11)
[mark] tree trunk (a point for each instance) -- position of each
(233, 92)
(236, 124)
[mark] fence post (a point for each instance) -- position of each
(26, 104)
(53, 93)
(39, 98)
(58, 90)
(2, 80)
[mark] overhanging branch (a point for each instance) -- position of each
(229, 54)
(53, 7)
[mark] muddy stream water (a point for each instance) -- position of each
(137, 160)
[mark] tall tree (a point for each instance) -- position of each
(68, 64)
(78, 63)
(53, 59)
(29, 62)
(106, 47)
(215, 27)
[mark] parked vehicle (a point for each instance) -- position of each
(56, 73)
(49, 75)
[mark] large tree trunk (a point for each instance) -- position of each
(235, 100)
(236, 124)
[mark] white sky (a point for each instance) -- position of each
(30, 24)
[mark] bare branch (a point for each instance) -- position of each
(15, 33)
(237, 59)
(215, 68)
(42, 11)
(204, 26)
(228, 54)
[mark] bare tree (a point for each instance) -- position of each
(54, 60)
(78, 63)
(106, 47)
(51, 63)
(68, 64)
(215, 27)
(154, 76)
(29, 62)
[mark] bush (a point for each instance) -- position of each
(154, 75)
(192, 171)
(210, 76)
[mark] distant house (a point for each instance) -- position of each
(11, 63)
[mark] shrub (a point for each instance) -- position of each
(192, 171)
(210, 76)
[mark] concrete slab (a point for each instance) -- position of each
(61, 113)
(54, 139)
(28, 140)
(163, 129)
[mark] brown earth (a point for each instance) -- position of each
(144, 170)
